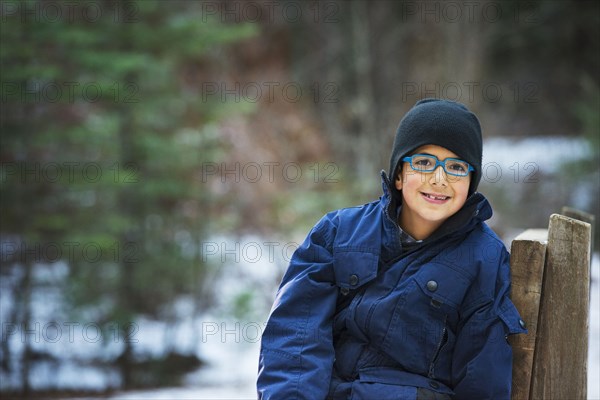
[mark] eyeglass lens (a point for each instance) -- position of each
(451, 166)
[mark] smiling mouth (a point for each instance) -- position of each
(435, 197)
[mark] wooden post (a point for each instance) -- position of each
(560, 357)
(527, 256)
(582, 216)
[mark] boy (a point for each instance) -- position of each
(405, 297)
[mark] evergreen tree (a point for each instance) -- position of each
(104, 131)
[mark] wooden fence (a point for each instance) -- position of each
(551, 289)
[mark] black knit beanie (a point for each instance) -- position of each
(444, 123)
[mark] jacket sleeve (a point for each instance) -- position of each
(482, 361)
(296, 355)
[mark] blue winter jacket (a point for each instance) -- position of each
(359, 317)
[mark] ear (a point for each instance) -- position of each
(398, 181)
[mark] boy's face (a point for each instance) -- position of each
(429, 198)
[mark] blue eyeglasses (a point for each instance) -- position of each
(428, 163)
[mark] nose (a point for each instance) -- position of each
(439, 177)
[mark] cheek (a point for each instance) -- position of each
(410, 183)
(462, 190)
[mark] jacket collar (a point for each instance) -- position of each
(387, 197)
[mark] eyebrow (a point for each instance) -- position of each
(429, 154)
(433, 155)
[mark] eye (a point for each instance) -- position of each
(423, 162)
(457, 166)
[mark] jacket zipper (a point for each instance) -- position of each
(440, 346)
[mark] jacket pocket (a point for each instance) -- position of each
(353, 268)
(444, 287)
(422, 331)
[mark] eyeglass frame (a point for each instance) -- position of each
(438, 163)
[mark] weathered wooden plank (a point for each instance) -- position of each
(578, 214)
(560, 357)
(527, 256)
(582, 216)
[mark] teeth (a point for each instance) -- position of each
(436, 197)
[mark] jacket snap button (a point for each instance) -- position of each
(353, 279)
(434, 384)
(344, 291)
(522, 323)
(432, 286)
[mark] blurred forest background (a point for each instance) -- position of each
(134, 134)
